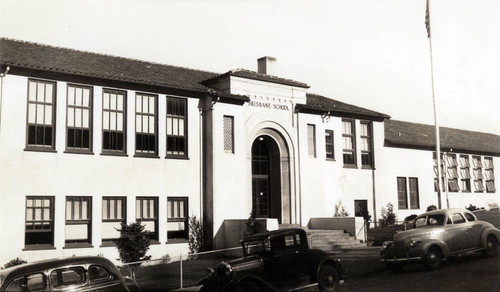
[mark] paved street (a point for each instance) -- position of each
(472, 272)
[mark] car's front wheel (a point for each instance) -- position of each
(328, 278)
(491, 246)
(433, 259)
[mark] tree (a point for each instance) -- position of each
(133, 243)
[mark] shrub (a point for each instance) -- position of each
(340, 210)
(388, 216)
(431, 208)
(14, 262)
(252, 226)
(133, 243)
(199, 240)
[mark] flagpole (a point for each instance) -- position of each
(436, 124)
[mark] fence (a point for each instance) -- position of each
(167, 274)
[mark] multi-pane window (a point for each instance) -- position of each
(329, 144)
(228, 124)
(489, 174)
(114, 104)
(478, 174)
(366, 144)
(434, 156)
(176, 127)
(348, 136)
(177, 217)
(465, 176)
(113, 214)
(146, 211)
(78, 220)
(311, 140)
(402, 193)
(41, 115)
(451, 163)
(146, 125)
(405, 187)
(39, 221)
(79, 118)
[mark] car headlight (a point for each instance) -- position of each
(411, 242)
(386, 244)
(224, 269)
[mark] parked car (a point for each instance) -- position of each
(438, 235)
(279, 260)
(91, 273)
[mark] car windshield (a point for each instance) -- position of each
(431, 220)
(256, 247)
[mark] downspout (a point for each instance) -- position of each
(2, 75)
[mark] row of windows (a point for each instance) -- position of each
(349, 143)
(39, 228)
(463, 176)
(79, 111)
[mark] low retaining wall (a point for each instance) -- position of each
(231, 231)
(355, 226)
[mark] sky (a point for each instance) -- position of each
(370, 53)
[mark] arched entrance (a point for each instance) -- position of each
(270, 177)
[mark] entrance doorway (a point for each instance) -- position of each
(266, 178)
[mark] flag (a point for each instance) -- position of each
(427, 20)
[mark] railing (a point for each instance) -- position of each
(167, 274)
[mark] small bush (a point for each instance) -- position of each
(252, 226)
(133, 243)
(388, 216)
(472, 208)
(199, 239)
(14, 262)
(431, 208)
(340, 210)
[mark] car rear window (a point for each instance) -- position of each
(33, 282)
(98, 273)
(469, 217)
(457, 218)
(67, 277)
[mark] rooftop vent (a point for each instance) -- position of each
(265, 65)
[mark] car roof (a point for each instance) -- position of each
(273, 233)
(53, 263)
(445, 211)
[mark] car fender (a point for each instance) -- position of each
(489, 231)
(427, 244)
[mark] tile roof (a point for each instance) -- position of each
(318, 103)
(420, 136)
(257, 76)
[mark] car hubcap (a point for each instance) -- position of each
(329, 281)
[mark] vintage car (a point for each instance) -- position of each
(277, 260)
(91, 273)
(438, 235)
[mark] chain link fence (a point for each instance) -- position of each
(171, 273)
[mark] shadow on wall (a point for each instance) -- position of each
(231, 231)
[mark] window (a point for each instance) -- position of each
(146, 122)
(348, 134)
(114, 128)
(177, 217)
(68, 277)
(78, 220)
(478, 174)
(329, 144)
(113, 214)
(489, 174)
(443, 182)
(465, 173)
(146, 210)
(33, 282)
(98, 274)
(451, 160)
(457, 218)
(469, 217)
(228, 125)
(402, 195)
(41, 115)
(39, 221)
(414, 196)
(366, 145)
(79, 119)
(311, 140)
(176, 127)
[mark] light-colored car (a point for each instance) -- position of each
(438, 235)
(89, 273)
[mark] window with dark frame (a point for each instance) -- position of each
(402, 193)
(228, 124)
(465, 176)
(452, 173)
(348, 136)
(311, 140)
(176, 127)
(41, 115)
(366, 144)
(489, 174)
(113, 215)
(79, 118)
(146, 125)
(329, 146)
(443, 182)
(478, 174)
(177, 218)
(414, 194)
(39, 225)
(78, 220)
(146, 210)
(114, 117)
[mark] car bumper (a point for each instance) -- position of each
(400, 255)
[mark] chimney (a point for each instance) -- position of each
(265, 65)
